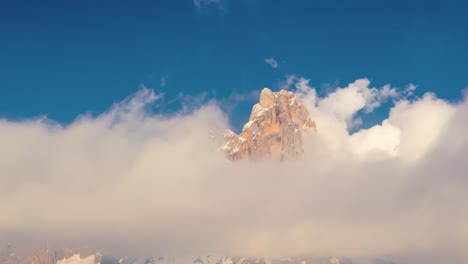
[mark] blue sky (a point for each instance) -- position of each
(64, 58)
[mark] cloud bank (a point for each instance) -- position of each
(158, 183)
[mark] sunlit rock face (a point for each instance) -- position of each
(274, 130)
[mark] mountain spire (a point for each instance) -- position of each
(274, 130)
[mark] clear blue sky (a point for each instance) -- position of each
(65, 57)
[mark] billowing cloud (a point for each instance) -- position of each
(344, 103)
(159, 183)
(272, 62)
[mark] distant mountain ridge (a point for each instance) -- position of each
(51, 255)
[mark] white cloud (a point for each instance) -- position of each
(388, 92)
(202, 5)
(345, 102)
(158, 183)
(410, 89)
(290, 80)
(272, 62)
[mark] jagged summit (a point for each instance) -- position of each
(274, 130)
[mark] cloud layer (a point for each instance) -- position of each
(158, 183)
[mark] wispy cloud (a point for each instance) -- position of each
(204, 5)
(272, 62)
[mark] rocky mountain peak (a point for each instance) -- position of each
(274, 130)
